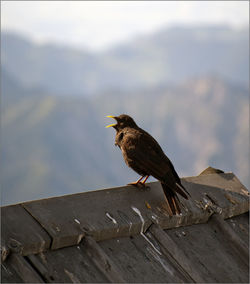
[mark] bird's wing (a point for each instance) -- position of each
(147, 154)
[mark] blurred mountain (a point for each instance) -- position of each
(168, 56)
(56, 145)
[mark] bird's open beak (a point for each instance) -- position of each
(113, 124)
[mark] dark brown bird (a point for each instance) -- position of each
(144, 155)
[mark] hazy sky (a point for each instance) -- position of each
(100, 24)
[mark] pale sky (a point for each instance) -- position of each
(101, 24)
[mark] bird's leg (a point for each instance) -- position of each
(143, 182)
(139, 183)
(136, 183)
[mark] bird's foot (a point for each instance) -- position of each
(140, 185)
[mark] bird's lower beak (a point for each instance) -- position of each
(113, 124)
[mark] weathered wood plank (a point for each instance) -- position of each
(21, 233)
(17, 270)
(210, 253)
(141, 260)
(227, 181)
(219, 193)
(223, 193)
(9, 275)
(171, 248)
(121, 212)
(211, 170)
(240, 224)
(102, 261)
(101, 214)
(231, 237)
(67, 265)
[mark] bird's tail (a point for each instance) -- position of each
(172, 198)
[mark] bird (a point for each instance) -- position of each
(144, 155)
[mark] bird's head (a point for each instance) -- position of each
(123, 121)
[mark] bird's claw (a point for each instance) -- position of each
(140, 185)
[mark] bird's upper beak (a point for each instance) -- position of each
(113, 124)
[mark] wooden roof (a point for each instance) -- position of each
(125, 235)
